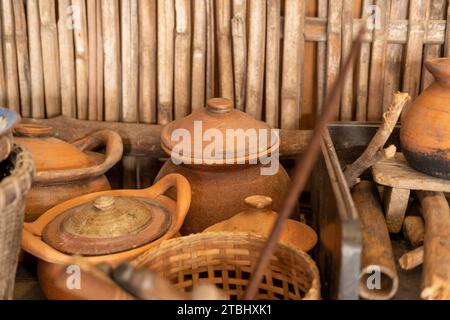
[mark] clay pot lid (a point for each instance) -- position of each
(220, 116)
(50, 153)
(107, 225)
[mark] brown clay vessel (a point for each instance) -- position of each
(63, 170)
(218, 187)
(425, 132)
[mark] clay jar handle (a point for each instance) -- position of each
(114, 151)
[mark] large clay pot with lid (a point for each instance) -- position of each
(104, 227)
(218, 189)
(425, 132)
(64, 170)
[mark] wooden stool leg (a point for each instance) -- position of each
(395, 205)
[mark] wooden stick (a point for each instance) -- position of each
(111, 49)
(436, 265)
(239, 35)
(23, 60)
(224, 51)
(322, 12)
(199, 55)
(130, 60)
(36, 69)
(347, 41)
(166, 25)
(293, 52)
(183, 40)
(210, 50)
(256, 58)
(377, 255)
(411, 259)
(3, 96)
(67, 59)
(147, 61)
(272, 101)
(92, 62)
(10, 56)
(414, 230)
(99, 63)
(374, 149)
(81, 60)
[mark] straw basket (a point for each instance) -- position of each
(19, 168)
(227, 260)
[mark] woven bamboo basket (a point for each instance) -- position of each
(13, 189)
(227, 260)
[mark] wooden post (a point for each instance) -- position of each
(92, 62)
(2, 70)
(199, 55)
(322, 12)
(210, 50)
(99, 63)
(239, 34)
(395, 205)
(347, 43)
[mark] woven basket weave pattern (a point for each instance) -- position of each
(227, 260)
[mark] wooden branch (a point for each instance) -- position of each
(377, 252)
(374, 150)
(411, 259)
(436, 265)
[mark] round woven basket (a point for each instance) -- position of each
(227, 260)
(19, 170)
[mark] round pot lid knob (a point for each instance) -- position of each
(104, 203)
(220, 105)
(259, 202)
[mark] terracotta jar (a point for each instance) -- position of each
(259, 219)
(425, 132)
(63, 170)
(108, 226)
(218, 187)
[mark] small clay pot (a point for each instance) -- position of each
(425, 132)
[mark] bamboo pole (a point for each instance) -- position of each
(292, 74)
(183, 38)
(10, 56)
(92, 59)
(210, 50)
(256, 58)
(272, 96)
(23, 61)
(2, 70)
(224, 51)
(81, 60)
(411, 259)
(347, 42)
(322, 11)
(239, 36)
(111, 49)
(67, 59)
(50, 57)
(166, 26)
(130, 60)
(99, 63)
(36, 68)
(147, 61)
(199, 41)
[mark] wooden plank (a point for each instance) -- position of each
(165, 58)
(273, 46)
(147, 61)
(322, 11)
(378, 63)
(92, 59)
(81, 59)
(99, 64)
(239, 36)
(394, 56)
(67, 59)
(210, 50)
(347, 44)
(10, 57)
(199, 39)
(111, 49)
(397, 173)
(437, 12)
(292, 73)
(418, 11)
(333, 44)
(256, 58)
(23, 61)
(130, 60)
(36, 69)
(183, 39)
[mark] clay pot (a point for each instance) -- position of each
(219, 187)
(105, 227)
(63, 170)
(425, 132)
(259, 219)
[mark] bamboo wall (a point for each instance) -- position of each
(152, 61)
